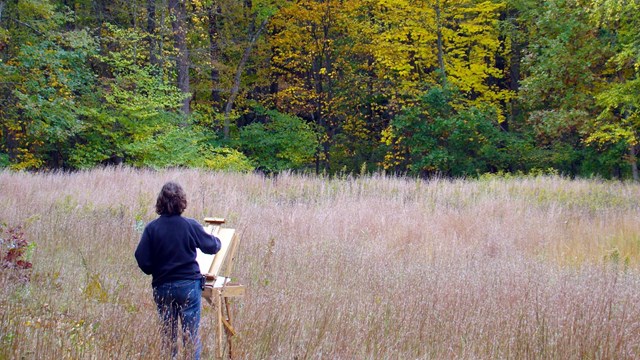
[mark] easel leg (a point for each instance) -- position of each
(227, 329)
(218, 296)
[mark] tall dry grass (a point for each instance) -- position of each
(352, 268)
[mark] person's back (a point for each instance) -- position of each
(167, 250)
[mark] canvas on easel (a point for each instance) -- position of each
(218, 287)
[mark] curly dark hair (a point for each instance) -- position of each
(172, 199)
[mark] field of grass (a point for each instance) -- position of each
(344, 268)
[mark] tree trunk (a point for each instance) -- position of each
(151, 30)
(3, 45)
(100, 7)
(517, 47)
(443, 73)
(70, 22)
(248, 5)
(177, 12)
(214, 54)
(633, 161)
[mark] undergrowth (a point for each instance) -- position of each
(370, 267)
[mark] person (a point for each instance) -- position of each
(167, 252)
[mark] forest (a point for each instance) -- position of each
(454, 88)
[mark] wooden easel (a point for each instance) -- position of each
(218, 287)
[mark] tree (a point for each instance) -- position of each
(177, 14)
(234, 30)
(439, 135)
(44, 80)
(281, 142)
(253, 37)
(94, 82)
(619, 119)
(306, 40)
(426, 43)
(134, 103)
(563, 68)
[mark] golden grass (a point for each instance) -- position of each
(349, 268)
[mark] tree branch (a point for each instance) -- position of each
(27, 25)
(236, 80)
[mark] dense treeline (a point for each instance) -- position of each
(451, 87)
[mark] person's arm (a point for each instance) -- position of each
(143, 254)
(208, 244)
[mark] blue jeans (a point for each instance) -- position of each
(180, 299)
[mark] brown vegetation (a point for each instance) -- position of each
(345, 268)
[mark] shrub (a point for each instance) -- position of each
(282, 142)
(15, 252)
(441, 134)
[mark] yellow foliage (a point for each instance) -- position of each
(94, 289)
(27, 161)
(404, 38)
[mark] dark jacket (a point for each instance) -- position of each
(167, 248)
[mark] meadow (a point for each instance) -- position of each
(371, 267)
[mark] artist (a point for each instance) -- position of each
(167, 251)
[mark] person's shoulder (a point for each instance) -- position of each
(153, 222)
(191, 221)
(152, 227)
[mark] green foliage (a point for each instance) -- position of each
(282, 142)
(226, 159)
(267, 8)
(134, 110)
(41, 15)
(620, 117)
(579, 106)
(135, 90)
(440, 137)
(51, 76)
(562, 58)
(605, 162)
(170, 146)
(83, 84)
(185, 146)
(4, 160)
